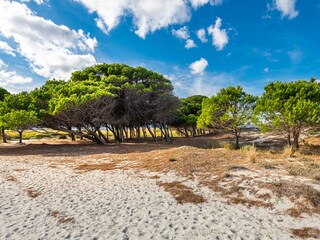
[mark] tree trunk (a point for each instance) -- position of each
(186, 131)
(236, 133)
(237, 141)
(138, 133)
(71, 134)
(289, 138)
(152, 135)
(296, 140)
(3, 135)
(101, 135)
(20, 136)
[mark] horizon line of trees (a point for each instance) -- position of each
(131, 102)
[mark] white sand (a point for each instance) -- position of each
(123, 205)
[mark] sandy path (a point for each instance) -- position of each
(122, 205)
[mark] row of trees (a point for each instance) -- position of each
(100, 99)
(129, 102)
(286, 108)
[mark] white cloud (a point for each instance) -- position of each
(190, 44)
(198, 67)
(266, 70)
(287, 8)
(181, 33)
(11, 78)
(296, 55)
(4, 46)
(201, 34)
(37, 1)
(219, 36)
(53, 51)
(198, 3)
(148, 15)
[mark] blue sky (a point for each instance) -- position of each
(248, 43)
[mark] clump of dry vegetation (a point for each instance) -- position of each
(306, 198)
(11, 179)
(251, 152)
(93, 167)
(62, 218)
(181, 193)
(288, 151)
(305, 167)
(33, 193)
(306, 233)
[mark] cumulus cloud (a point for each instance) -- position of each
(4, 46)
(52, 50)
(10, 78)
(201, 34)
(287, 8)
(148, 15)
(198, 3)
(181, 33)
(266, 70)
(198, 67)
(190, 44)
(219, 36)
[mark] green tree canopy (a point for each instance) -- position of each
(188, 113)
(289, 108)
(20, 120)
(3, 93)
(112, 96)
(231, 109)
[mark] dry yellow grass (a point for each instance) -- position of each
(251, 152)
(93, 167)
(288, 151)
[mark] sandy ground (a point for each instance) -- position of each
(44, 196)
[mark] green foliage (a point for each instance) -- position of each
(289, 107)
(20, 101)
(230, 109)
(3, 93)
(19, 120)
(189, 111)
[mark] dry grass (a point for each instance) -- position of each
(249, 203)
(251, 153)
(306, 233)
(306, 198)
(94, 167)
(11, 179)
(288, 151)
(305, 166)
(181, 193)
(226, 145)
(32, 192)
(20, 170)
(61, 217)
